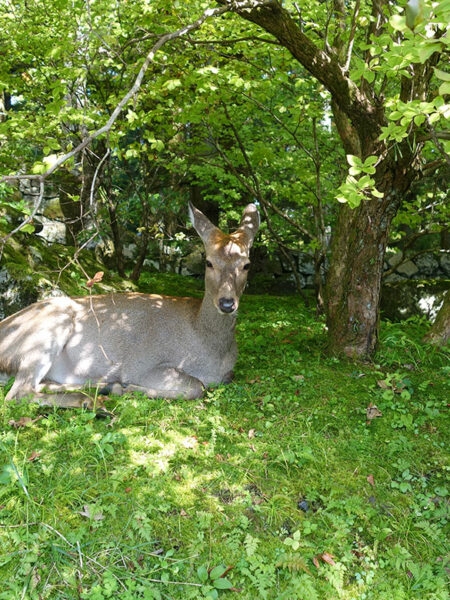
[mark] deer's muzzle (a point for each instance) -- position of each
(227, 305)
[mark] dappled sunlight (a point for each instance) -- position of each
(286, 447)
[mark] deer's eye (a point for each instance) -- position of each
(247, 267)
(209, 264)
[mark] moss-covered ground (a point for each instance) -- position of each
(306, 478)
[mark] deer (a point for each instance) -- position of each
(162, 346)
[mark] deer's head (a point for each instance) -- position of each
(227, 257)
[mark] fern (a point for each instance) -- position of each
(305, 587)
(250, 544)
(293, 562)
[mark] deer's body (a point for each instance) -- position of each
(161, 345)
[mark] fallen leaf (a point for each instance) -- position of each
(328, 558)
(382, 384)
(183, 513)
(316, 562)
(371, 480)
(298, 377)
(127, 490)
(23, 421)
(34, 455)
(96, 279)
(86, 512)
(373, 412)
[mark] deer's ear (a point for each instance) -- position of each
(202, 224)
(250, 223)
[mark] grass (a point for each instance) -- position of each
(276, 486)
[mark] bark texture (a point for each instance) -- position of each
(439, 333)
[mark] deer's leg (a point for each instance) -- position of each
(69, 400)
(168, 382)
(39, 352)
(228, 377)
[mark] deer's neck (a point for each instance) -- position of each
(215, 326)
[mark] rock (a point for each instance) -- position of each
(52, 231)
(393, 278)
(444, 261)
(194, 263)
(15, 295)
(303, 505)
(129, 251)
(305, 264)
(395, 259)
(309, 281)
(427, 264)
(151, 265)
(408, 268)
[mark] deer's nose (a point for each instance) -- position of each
(227, 305)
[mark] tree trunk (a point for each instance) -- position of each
(81, 185)
(354, 279)
(357, 255)
(439, 333)
(117, 237)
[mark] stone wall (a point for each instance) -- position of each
(429, 265)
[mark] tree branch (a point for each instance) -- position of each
(324, 66)
(351, 39)
(210, 12)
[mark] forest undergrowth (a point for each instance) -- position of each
(306, 478)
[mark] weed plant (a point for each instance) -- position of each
(307, 478)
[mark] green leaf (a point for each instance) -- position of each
(223, 584)
(365, 181)
(369, 76)
(38, 168)
(7, 475)
(426, 51)
(414, 13)
(441, 74)
(354, 161)
(444, 88)
(354, 200)
(354, 171)
(398, 22)
(202, 573)
(171, 84)
(217, 572)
